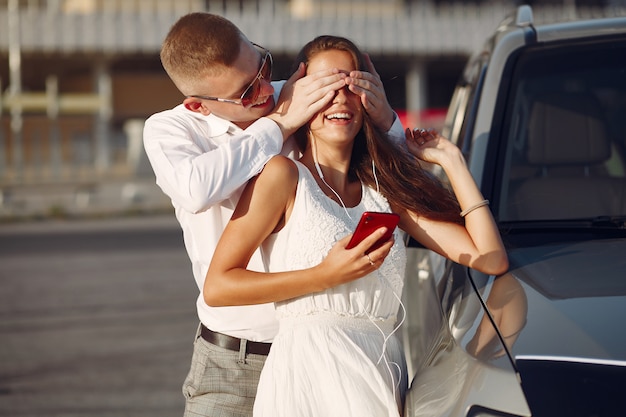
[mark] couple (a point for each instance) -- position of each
(335, 353)
(205, 150)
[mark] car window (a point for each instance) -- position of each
(464, 104)
(565, 131)
(456, 113)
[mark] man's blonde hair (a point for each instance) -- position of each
(199, 45)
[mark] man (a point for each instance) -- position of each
(204, 151)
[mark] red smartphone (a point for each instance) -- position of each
(370, 221)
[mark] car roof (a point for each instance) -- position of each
(522, 20)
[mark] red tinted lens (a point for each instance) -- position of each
(251, 94)
(266, 70)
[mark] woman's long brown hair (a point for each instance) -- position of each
(403, 181)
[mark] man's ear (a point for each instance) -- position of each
(196, 105)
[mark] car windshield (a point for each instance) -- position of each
(565, 133)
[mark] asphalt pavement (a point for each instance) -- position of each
(97, 317)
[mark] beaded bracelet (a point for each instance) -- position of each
(474, 207)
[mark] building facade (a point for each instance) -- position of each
(78, 77)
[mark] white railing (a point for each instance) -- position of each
(388, 27)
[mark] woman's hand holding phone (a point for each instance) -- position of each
(357, 255)
(370, 221)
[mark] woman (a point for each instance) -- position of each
(336, 353)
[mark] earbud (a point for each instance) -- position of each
(375, 177)
(319, 170)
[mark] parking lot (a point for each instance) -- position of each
(96, 317)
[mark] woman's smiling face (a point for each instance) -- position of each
(342, 119)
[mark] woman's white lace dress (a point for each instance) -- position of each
(335, 354)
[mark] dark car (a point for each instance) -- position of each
(540, 114)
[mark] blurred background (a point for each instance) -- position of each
(97, 300)
(79, 77)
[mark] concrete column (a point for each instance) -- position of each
(416, 92)
(133, 128)
(105, 112)
(52, 110)
(15, 85)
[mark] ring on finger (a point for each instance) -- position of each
(370, 259)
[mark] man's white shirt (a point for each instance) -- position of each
(203, 163)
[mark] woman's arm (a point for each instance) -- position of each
(477, 244)
(265, 205)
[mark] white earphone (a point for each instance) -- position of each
(319, 170)
(321, 174)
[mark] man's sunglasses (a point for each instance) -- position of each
(250, 94)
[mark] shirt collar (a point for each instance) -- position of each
(220, 126)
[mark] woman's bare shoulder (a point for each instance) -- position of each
(280, 165)
(280, 170)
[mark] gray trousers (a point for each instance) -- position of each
(221, 382)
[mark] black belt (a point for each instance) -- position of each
(233, 343)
